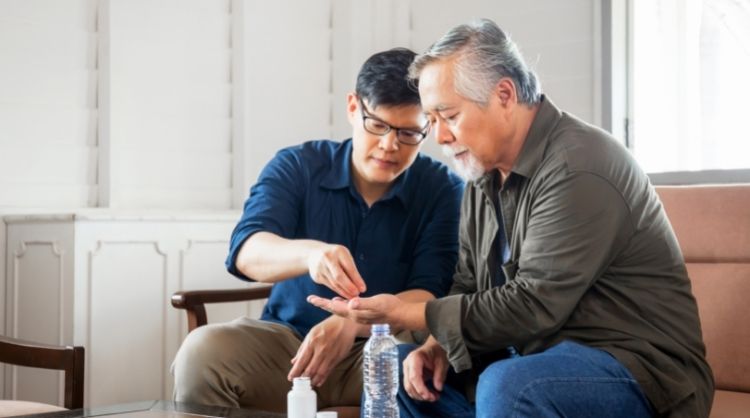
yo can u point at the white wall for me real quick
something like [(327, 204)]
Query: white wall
[(179, 103), (167, 94), (48, 116), (285, 78), (119, 104)]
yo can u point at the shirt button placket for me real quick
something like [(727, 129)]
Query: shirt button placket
[(361, 255)]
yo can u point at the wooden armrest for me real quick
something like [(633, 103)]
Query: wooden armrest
[(31, 354), (194, 301), (67, 358)]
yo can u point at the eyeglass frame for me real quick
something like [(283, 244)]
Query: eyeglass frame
[(367, 115)]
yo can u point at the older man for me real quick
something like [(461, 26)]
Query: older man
[(571, 297)]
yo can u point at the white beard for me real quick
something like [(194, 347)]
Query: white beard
[(468, 168)]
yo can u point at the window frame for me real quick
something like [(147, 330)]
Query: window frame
[(617, 101)]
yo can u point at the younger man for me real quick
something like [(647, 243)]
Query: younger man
[(365, 216)]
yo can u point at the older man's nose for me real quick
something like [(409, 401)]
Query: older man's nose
[(442, 134)]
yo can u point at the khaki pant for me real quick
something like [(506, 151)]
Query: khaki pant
[(245, 363)]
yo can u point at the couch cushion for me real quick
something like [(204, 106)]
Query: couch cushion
[(722, 290), (712, 224), (730, 405), (14, 408)]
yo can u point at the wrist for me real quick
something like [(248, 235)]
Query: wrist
[(356, 329), (412, 316), (310, 253), (345, 326), (432, 346)]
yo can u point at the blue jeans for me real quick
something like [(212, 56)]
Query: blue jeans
[(567, 380)]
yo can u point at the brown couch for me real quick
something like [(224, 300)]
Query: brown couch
[(712, 224)]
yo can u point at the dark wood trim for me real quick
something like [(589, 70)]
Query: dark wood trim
[(194, 301), (69, 359)]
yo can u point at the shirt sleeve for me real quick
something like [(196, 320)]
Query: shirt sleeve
[(436, 249), (273, 206), (577, 224)]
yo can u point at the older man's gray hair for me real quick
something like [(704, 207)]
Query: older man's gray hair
[(484, 54)]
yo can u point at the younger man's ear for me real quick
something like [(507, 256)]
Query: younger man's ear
[(352, 105)]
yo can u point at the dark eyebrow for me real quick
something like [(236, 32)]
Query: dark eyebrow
[(412, 128)]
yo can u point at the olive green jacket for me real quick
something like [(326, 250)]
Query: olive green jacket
[(593, 260)]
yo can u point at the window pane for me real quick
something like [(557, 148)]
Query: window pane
[(691, 67)]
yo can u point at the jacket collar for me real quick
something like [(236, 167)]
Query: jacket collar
[(535, 145), (533, 148)]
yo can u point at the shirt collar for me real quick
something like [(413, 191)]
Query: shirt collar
[(339, 176), (485, 180)]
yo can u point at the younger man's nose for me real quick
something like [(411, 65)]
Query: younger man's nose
[(389, 141)]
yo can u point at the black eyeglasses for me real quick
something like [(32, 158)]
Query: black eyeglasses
[(376, 126)]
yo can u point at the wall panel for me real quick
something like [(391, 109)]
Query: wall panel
[(37, 305), (38, 288), (127, 321)]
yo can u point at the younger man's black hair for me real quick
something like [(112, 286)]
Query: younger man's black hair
[(383, 79)]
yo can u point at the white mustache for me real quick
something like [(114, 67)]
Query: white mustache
[(450, 151)]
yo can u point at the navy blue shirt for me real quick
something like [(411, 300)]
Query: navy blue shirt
[(407, 240)]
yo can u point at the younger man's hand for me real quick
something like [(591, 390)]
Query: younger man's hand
[(323, 348), (333, 266)]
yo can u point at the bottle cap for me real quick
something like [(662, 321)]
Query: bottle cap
[(327, 414), (301, 383), (380, 329)]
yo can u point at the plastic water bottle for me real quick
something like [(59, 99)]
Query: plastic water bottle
[(381, 374), (301, 402)]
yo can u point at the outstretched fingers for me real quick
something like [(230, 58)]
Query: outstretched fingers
[(337, 306)]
